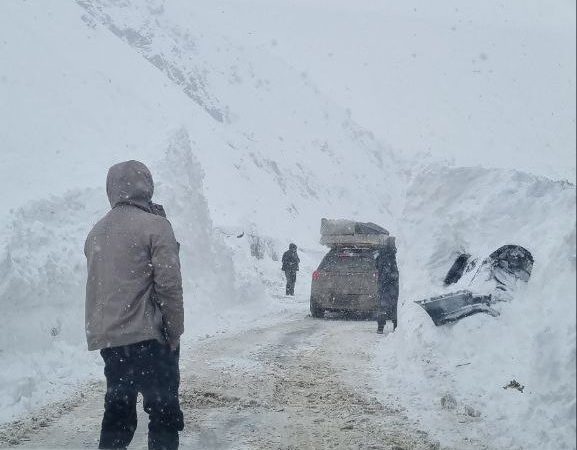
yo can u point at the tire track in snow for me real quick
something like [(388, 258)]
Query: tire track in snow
[(299, 384)]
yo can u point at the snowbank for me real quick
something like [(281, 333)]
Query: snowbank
[(533, 341), (42, 288)]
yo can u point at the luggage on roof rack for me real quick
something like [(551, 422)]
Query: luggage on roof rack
[(342, 232)]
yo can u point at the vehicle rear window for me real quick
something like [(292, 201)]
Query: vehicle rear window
[(348, 260)]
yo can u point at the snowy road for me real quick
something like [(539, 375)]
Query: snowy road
[(301, 383)]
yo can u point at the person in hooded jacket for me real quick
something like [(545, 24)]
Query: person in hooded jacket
[(290, 266), (134, 310), (388, 280)]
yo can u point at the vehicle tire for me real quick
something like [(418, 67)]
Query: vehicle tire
[(317, 312)]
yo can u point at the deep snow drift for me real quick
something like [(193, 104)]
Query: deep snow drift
[(242, 144), (449, 211), (44, 274)]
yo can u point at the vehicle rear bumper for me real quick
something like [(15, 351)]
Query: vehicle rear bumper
[(353, 302)]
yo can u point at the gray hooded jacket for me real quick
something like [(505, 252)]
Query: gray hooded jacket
[(134, 286)]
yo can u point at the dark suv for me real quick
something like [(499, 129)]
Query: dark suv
[(346, 280)]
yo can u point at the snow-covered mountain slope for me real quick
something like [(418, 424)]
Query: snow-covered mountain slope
[(307, 154), (73, 102), (238, 141), (487, 83)]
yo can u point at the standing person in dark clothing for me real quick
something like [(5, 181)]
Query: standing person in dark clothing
[(290, 266), (388, 278), (134, 310)]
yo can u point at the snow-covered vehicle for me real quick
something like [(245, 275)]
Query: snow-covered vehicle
[(482, 283), (346, 279)]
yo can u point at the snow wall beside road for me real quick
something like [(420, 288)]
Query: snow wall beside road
[(42, 346), (451, 210)]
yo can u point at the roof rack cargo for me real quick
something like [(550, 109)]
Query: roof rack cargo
[(341, 232)]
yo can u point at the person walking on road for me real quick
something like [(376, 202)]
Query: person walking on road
[(388, 279), (134, 311), (290, 266)]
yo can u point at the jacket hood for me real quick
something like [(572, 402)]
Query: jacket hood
[(130, 182)]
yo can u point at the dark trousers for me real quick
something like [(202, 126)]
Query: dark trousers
[(150, 368), (387, 309), (382, 320), (291, 279)]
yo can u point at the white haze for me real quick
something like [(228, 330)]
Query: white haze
[(261, 118)]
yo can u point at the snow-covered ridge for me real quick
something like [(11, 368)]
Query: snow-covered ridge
[(281, 157), (177, 44), (306, 152)]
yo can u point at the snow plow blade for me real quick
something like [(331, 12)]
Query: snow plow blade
[(451, 307)]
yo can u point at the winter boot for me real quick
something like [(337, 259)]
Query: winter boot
[(381, 321)]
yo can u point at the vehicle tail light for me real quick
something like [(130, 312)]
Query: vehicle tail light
[(316, 275)]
